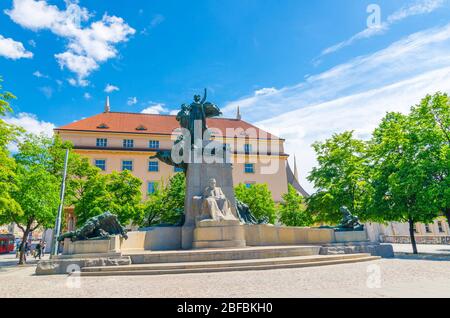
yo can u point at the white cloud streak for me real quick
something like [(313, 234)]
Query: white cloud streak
[(417, 8), (352, 96)]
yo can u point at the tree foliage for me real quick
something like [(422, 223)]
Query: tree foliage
[(259, 199), (118, 193), (293, 210), (35, 192), (339, 177), (166, 204), (399, 174), (430, 121)]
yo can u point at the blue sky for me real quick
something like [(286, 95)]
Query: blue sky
[(301, 69)]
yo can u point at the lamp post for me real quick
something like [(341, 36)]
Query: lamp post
[(57, 231)]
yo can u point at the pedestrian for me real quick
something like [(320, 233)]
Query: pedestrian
[(38, 250), (27, 249), (44, 245)]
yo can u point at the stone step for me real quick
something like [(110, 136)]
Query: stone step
[(226, 266), (220, 254)]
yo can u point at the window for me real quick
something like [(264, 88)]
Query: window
[(248, 184), (249, 168), (415, 228), (427, 228), (102, 142), (151, 187), (177, 169), (101, 164), (227, 147), (441, 227), (128, 143), (127, 165), (153, 166), (247, 148), (153, 144)]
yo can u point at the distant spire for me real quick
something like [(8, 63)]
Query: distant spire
[(107, 107), (238, 114), (295, 169)]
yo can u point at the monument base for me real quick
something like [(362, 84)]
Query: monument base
[(219, 234)]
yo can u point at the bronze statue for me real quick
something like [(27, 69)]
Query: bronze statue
[(98, 227), (189, 117), (349, 222), (246, 216)]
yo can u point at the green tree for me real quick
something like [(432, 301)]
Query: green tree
[(124, 192), (339, 178), (166, 204), (431, 125), (8, 134), (118, 193), (37, 193), (93, 200), (293, 210), (259, 199), (399, 175)]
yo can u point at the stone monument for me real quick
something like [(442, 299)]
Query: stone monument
[(211, 218)]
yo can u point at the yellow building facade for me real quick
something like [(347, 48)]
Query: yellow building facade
[(117, 141)]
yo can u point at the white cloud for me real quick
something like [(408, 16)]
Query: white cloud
[(156, 108), (111, 88), (31, 124), (417, 8), (354, 95), (79, 64), (265, 91), (12, 49), (47, 91), (156, 20), (88, 45), (38, 74), (87, 96), (132, 101)]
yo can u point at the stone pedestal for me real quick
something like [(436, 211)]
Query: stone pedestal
[(219, 234), (111, 245), (197, 178)]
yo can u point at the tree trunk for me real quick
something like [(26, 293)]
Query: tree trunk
[(22, 246), (413, 238)]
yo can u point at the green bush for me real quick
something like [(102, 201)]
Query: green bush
[(293, 211), (259, 199)]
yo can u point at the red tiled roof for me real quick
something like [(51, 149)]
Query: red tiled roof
[(119, 122)]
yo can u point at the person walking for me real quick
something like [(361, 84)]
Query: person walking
[(38, 250), (43, 245)]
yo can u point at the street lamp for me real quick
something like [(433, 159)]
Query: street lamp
[(57, 231)]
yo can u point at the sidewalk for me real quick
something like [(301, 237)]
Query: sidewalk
[(10, 260), (426, 251)]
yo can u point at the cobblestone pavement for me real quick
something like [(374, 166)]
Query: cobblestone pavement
[(398, 278)]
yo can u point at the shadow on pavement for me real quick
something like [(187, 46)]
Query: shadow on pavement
[(423, 256)]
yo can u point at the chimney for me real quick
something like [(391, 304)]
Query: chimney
[(238, 114), (107, 107)]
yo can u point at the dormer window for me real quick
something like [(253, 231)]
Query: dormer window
[(141, 128), (103, 126)]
